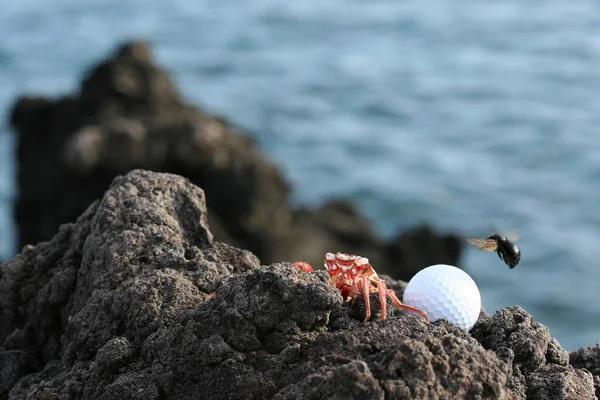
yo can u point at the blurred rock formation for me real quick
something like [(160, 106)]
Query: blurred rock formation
[(129, 114)]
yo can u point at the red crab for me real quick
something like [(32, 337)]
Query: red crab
[(353, 275)]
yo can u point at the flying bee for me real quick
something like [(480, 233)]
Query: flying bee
[(504, 246)]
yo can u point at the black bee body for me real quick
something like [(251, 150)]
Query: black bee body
[(507, 249)]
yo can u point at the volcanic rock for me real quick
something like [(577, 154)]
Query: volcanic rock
[(588, 358), (137, 300), (127, 114)]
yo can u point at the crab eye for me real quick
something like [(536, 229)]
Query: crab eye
[(330, 256)]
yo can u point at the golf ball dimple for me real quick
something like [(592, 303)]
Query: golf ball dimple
[(445, 291)]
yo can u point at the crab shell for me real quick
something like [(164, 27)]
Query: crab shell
[(344, 269)]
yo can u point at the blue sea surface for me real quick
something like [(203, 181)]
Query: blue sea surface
[(464, 114)]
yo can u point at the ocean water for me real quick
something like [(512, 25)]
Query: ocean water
[(462, 114)]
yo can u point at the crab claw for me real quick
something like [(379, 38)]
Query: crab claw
[(304, 266)]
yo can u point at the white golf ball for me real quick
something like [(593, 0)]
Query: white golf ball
[(444, 291)]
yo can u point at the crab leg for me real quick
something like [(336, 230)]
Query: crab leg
[(399, 304), (382, 297), (355, 289), (366, 286), (304, 266)]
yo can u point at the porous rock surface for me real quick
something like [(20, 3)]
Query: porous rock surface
[(128, 113), (588, 358), (117, 306)]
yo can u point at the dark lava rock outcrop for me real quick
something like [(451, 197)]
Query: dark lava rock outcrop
[(588, 358), (129, 114), (117, 305)]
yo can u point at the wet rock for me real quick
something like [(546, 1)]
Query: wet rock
[(118, 305), (127, 114)]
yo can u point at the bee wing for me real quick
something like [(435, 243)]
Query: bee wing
[(483, 243), (512, 236), (493, 229)]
